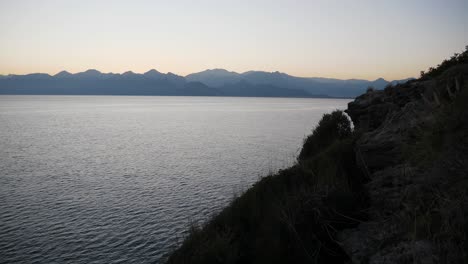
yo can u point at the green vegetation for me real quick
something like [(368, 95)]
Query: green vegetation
[(292, 216), (439, 213), (432, 140), (457, 58), (332, 127), (372, 88), (420, 202)]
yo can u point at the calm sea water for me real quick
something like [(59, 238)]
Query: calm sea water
[(114, 179)]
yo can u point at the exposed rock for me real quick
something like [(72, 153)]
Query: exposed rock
[(403, 206), (396, 191)]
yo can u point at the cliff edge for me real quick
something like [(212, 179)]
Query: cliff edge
[(413, 149), (391, 189)]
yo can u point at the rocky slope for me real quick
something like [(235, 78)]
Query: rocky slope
[(392, 190), (414, 151)]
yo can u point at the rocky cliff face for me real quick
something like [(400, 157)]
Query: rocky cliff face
[(394, 190), (413, 149)]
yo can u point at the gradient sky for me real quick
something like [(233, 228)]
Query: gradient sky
[(341, 39)]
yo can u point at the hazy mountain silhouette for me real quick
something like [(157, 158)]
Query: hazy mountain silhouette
[(215, 77), (244, 88), (217, 82), (63, 74), (315, 86), (93, 82), (153, 74)]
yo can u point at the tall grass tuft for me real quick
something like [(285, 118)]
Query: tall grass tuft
[(291, 216)]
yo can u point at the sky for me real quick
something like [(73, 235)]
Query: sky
[(345, 39)]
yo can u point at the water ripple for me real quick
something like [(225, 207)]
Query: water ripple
[(119, 179)]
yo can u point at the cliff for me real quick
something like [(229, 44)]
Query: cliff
[(393, 189), (414, 151)]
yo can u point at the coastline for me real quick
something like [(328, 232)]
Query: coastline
[(387, 191)]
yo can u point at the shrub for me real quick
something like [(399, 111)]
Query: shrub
[(292, 216), (331, 127), (457, 58)]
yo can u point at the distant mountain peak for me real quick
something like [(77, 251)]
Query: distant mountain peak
[(37, 75), (151, 72), (92, 71), (219, 70), (63, 74), (128, 73), (216, 71)]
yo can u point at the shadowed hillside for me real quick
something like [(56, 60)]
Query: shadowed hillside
[(391, 190)]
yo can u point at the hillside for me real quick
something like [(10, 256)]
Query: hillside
[(391, 190)]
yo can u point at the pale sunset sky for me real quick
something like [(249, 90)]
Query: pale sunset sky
[(311, 38)]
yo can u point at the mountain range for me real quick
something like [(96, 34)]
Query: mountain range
[(216, 82)]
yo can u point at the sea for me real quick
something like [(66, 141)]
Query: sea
[(120, 179)]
